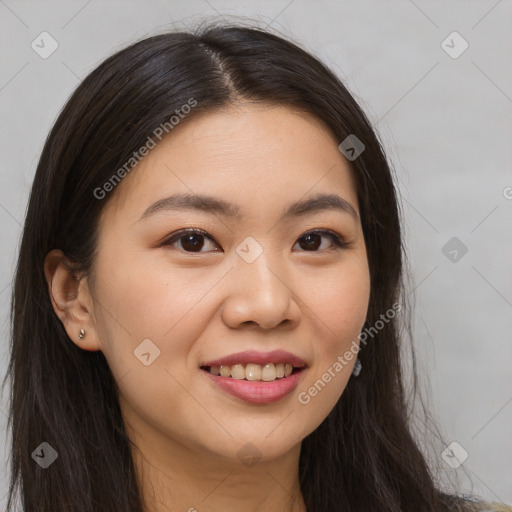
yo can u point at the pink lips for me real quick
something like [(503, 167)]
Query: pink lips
[(253, 356), (257, 392)]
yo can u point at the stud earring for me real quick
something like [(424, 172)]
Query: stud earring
[(357, 368), (81, 335)]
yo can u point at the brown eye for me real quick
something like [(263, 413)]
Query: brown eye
[(313, 240), (191, 240)]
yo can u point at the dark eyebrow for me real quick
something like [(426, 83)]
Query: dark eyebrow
[(319, 203), (208, 204)]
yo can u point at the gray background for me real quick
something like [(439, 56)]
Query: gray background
[(445, 122)]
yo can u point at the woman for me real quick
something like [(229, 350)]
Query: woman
[(205, 313)]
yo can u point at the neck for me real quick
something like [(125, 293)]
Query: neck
[(181, 478)]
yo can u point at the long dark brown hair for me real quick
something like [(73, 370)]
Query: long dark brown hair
[(363, 457)]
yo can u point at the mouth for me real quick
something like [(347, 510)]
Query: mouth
[(268, 372), (256, 377)]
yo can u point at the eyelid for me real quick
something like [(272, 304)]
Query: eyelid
[(338, 241), (186, 231)]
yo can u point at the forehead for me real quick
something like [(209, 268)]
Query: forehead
[(252, 155)]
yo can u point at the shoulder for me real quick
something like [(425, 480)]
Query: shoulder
[(499, 507), (478, 505)]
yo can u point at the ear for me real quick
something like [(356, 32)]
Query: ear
[(71, 300)]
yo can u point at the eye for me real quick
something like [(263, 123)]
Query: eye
[(313, 240), (192, 240)]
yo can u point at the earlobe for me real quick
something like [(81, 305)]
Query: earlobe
[(69, 300)]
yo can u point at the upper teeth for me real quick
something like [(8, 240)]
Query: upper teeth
[(253, 371)]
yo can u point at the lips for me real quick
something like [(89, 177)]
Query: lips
[(231, 375), (256, 357)]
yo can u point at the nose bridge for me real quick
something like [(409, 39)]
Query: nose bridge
[(262, 293), (263, 275)]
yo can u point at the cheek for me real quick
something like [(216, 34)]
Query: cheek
[(147, 324), (340, 301), (141, 301), (339, 306), (343, 302), (149, 299)]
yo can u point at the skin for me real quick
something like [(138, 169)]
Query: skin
[(197, 306)]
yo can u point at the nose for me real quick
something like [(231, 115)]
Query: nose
[(261, 294)]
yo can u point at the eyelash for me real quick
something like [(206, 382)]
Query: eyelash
[(337, 240)]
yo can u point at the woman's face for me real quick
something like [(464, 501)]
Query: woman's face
[(170, 307)]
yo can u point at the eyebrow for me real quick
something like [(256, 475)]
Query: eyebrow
[(212, 205)]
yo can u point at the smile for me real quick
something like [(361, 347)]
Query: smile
[(253, 372), (256, 377)]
